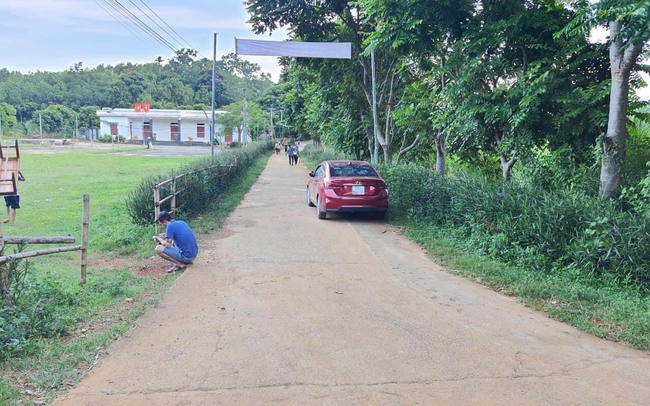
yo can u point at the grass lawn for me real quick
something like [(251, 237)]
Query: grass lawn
[(51, 205)]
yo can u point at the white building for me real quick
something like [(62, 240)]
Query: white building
[(141, 123)]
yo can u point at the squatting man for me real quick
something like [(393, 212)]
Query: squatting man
[(177, 244)]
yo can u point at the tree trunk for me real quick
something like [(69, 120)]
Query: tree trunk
[(385, 100), (613, 144), (506, 166), (441, 155), (407, 149)]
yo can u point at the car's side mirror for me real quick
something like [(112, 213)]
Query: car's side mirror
[(311, 174)]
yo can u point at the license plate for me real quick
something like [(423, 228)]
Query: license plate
[(358, 190)]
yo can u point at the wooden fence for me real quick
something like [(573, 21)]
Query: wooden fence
[(178, 186), (4, 273)]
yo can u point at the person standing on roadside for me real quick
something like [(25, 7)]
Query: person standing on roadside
[(178, 244), (12, 202), (295, 154)]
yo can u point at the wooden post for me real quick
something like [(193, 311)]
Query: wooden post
[(4, 273), (156, 205), (174, 194), (84, 238)]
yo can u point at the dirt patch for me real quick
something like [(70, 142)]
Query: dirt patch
[(153, 267)]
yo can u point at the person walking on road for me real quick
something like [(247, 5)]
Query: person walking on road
[(178, 244), (289, 153)]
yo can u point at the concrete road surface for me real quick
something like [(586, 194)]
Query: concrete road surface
[(282, 308)]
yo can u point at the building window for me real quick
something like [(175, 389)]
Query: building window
[(114, 129), (200, 130)]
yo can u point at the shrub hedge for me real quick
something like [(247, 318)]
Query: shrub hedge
[(531, 227), (204, 182), (526, 226)]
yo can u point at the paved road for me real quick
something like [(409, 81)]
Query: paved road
[(282, 308)]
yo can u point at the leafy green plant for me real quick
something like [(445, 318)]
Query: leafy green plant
[(526, 226), (202, 183)]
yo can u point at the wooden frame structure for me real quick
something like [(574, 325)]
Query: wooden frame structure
[(9, 169)]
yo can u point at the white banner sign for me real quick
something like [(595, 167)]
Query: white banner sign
[(336, 50)]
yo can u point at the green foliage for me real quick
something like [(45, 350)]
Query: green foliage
[(184, 82), (107, 139), (33, 312), (234, 118), (527, 226), (315, 153), (638, 150), (57, 119), (7, 118), (203, 183), (638, 196), (556, 170)]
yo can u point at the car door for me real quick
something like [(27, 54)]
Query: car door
[(316, 183)]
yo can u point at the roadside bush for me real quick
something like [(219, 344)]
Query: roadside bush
[(315, 154), (204, 182), (32, 314), (108, 139), (526, 226)]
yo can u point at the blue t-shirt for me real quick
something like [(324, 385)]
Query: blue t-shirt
[(183, 237)]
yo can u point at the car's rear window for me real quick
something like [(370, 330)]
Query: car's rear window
[(352, 170)]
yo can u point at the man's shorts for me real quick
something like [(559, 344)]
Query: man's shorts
[(13, 201), (175, 252)]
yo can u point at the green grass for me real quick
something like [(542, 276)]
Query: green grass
[(51, 196), (590, 304), (114, 297), (603, 307)]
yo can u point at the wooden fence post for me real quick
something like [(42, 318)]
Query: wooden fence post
[(174, 194), (156, 205), (84, 238), (4, 273)]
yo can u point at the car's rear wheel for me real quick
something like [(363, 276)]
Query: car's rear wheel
[(319, 210), (309, 203), (380, 215)]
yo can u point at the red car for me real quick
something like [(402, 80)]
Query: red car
[(347, 187)]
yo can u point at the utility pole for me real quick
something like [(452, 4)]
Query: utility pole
[(272, 127), (214, 63), (245, 125), (375, 123), (40, 124)]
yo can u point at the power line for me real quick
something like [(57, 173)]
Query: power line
[(124, 22), (144, 27), (129, 16), (164, 22)]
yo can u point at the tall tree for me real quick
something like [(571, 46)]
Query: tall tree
[(423, 31), (342, 21), (58, 119), (7, 117), (629, 32)]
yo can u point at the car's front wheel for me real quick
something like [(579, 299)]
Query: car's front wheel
[(319, 210), (309, 203)]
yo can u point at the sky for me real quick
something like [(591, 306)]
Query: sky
[(53, 35)]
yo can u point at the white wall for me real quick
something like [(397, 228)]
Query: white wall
[(132, 127)]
